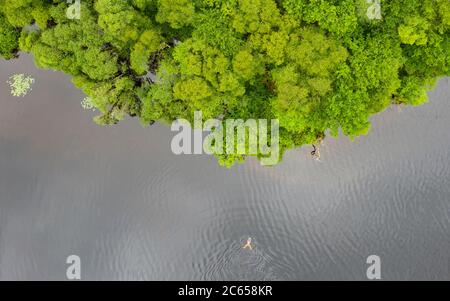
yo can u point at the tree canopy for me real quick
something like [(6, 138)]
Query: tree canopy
[(318, 66)]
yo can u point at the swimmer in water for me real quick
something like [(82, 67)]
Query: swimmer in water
[(248, 244)]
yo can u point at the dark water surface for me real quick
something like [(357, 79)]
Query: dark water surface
[(118, 198)]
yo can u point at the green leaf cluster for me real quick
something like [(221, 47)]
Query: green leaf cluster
[(318, 66)]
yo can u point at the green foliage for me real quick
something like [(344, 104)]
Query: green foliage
[(149, 42), (177, 13), (24, 12), (8, 39), (315, 65)]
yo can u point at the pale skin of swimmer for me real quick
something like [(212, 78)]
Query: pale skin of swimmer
[(248, 244)]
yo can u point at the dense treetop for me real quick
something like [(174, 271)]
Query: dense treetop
[(315, 65)]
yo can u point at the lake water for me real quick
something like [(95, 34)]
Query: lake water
[(130, 209)]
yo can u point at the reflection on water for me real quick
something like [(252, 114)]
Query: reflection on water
[(118, 198)]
